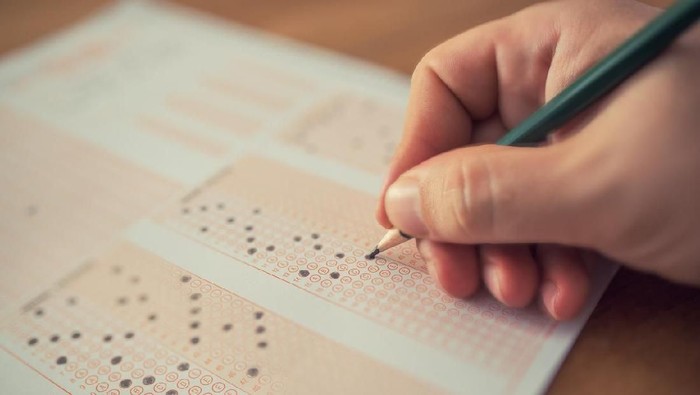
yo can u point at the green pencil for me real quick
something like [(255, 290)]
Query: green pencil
[(600, 79)]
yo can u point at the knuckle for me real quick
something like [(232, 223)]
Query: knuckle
[(465, 207), (418, 70), (479, 196), (428, 63), (458, 208)]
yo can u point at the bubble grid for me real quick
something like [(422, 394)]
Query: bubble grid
[(126, 323), (394, 290)]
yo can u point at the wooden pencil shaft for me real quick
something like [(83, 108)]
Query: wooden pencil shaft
[(391, 239)]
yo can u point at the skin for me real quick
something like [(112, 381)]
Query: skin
[(622, 179)]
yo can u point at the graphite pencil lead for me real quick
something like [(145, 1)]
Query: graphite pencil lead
[(373, 254)]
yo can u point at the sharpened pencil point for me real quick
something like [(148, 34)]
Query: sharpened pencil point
[(372, 254)]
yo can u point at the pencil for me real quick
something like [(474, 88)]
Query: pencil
[(597, 81)]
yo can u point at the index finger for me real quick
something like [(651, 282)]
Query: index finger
[(458, 84), (442, 100)]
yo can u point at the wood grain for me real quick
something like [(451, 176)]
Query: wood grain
[(644, 338)]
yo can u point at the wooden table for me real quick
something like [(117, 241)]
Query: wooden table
[(644, 337)]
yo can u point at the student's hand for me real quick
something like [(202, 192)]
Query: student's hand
[(622, 179)]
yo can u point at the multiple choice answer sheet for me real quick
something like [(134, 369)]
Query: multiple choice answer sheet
[(186, 207)]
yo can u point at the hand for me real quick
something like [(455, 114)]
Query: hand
[(622, 179)]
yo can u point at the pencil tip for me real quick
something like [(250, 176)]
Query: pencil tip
[(372, 254)]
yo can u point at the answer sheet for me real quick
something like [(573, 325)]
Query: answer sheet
[(186, 208)]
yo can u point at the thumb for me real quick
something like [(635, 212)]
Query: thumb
[(494, 194)]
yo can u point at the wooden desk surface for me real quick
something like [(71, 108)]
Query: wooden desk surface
[(644, 337)]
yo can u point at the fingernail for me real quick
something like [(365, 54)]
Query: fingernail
[(493, 281), (549, 297), (402, 204)]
